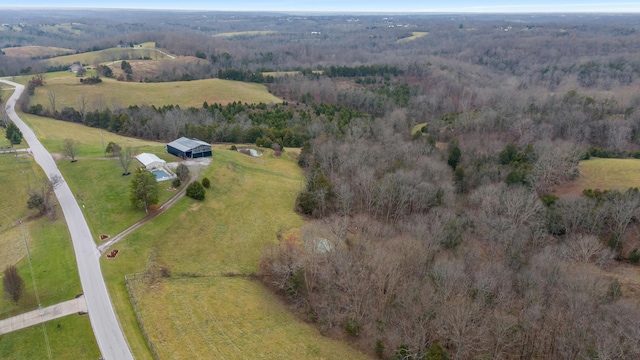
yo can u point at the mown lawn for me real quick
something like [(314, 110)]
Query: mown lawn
[(54, 269), (49, 243), (110, 92), (69, 337), (250, 202)]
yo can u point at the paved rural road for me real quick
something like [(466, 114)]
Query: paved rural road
[(106, 328)]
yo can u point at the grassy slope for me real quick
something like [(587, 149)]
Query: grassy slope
[(31, 51), (54, 267), (108, 210), (250, 201), (186, 94)]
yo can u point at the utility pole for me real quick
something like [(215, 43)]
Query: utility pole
[(104, 150)]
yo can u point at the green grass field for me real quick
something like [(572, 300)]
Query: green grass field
[(67, 338), (96, 181), (417, 128), (112, 93), (603, 174), (228, 318), (415, 35), (251, 200), (54, 269)]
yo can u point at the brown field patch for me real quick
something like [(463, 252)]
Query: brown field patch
[(34, 51)]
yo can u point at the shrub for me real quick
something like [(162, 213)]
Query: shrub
[(12, 283), (352, 327), (379, 349), (176, 183), (234, 148), (196, 191), (634, 256), (206, 183)]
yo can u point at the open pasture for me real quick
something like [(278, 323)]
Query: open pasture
[(113, 93), (228, 318), (36, 51), (598, 173)]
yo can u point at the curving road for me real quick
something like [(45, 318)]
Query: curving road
[(105, 325)]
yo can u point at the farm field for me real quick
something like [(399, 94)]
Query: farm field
[(249, 204), (112, 93), (598, 173), (36, 51), (111, 54)]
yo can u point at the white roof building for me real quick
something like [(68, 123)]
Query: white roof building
[(150, 161)]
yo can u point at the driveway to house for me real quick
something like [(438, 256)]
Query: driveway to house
[(104, 322), (18, 322)]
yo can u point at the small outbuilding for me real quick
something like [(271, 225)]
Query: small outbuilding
[(186, 148), (150, 161)]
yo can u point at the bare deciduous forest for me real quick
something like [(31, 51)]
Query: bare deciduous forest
[(455, 235)]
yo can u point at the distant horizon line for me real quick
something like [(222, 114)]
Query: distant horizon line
[(337, 12)]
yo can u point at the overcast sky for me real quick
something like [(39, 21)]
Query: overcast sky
[(346, 6)]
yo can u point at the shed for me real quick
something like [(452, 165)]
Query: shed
[(150, 161), (186, 148)]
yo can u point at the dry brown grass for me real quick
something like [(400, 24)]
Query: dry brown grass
[(32, 51)]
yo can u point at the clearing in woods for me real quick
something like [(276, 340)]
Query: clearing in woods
[(598, 173)]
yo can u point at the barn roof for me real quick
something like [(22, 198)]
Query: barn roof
[(186, 144), (146, 159)]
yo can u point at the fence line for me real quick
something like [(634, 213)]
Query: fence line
[(135, 276)]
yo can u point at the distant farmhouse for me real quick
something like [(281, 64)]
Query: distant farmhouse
[(77, 68), (150, 161), (186, 148)]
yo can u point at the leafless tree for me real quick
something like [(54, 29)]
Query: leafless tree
[(51, 96), (82, 106), (125, 156), (70, 148)]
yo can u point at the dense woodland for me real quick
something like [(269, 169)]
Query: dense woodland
[(450, 237)]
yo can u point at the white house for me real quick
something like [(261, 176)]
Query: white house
[(150, 161)]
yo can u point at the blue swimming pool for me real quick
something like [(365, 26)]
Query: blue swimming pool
[(160, 174)]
